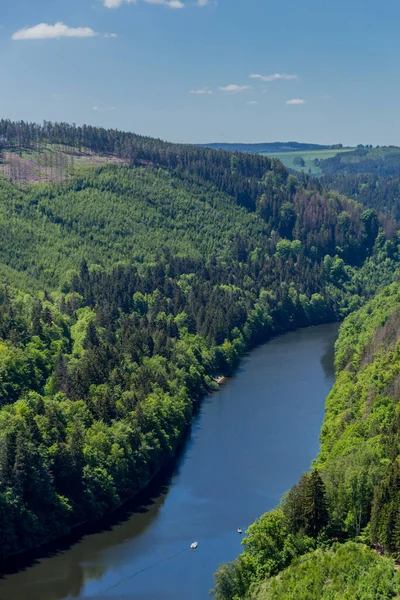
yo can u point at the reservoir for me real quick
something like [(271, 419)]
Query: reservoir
[(249, 443)]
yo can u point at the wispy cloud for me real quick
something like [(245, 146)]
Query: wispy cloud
[(110, 35), (103, 108), (274, 77), (44, 31), (252, 102), (167, 3), (296, 101), (233, 88), (201, 92), (202, 2)]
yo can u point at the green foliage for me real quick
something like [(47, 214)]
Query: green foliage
[(269, 547), (306, 507), (299, 161), (344, 572)]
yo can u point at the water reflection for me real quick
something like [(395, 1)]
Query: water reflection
[(328, 357), (68, 564)]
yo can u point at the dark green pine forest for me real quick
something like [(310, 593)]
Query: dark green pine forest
[(134, 272)]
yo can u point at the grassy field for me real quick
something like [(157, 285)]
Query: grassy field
[(308, 156)]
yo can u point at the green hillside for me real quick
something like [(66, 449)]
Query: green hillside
[(113, 214), (344, 572), (369, 175), (128, 287), (383, 160)]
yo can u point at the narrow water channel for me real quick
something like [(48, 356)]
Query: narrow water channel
[(249, 443)]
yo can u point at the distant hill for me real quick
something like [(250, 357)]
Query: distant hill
[(383, 160), (369, 175), (269, 147)]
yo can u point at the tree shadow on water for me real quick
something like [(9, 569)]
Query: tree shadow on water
[(60, 569)]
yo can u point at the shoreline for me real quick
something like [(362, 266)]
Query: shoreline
[(26, 558)]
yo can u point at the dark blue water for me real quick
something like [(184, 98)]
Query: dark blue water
[(249, 443)]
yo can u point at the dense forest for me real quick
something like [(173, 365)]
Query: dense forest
[(352, 493), (127, 288), (381, 193)]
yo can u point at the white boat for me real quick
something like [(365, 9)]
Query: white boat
[(194, 545), (240, 531)]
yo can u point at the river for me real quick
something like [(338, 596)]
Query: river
[(249, 443)]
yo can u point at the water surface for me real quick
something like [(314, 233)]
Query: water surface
[(249, 443)]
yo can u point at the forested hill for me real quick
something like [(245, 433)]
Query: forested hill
[(55, 148), (383, 160), (126, 288), (353, 492), (369, 175)]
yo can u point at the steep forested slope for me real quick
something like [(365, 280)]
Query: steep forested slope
[(127, 288), (353, 490), (359, 456)]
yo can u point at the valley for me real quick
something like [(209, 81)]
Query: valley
[(131, 282)]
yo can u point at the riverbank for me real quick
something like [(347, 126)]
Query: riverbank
[(205, 385), (277, 395), (350, 498)]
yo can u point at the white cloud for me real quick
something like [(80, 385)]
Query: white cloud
[(105, 108), (167, 3), (235, 88), (296, 101), (110, 35), (201, 92), (203, 2), (44, 31), (252, 102), (113, 3), (274, 77)]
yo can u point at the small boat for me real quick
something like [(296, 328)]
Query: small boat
[(194, 545), (239, 531)]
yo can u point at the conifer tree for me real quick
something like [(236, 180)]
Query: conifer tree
[(315, 505)]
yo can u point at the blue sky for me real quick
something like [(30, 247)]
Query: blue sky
[(181, 70)]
